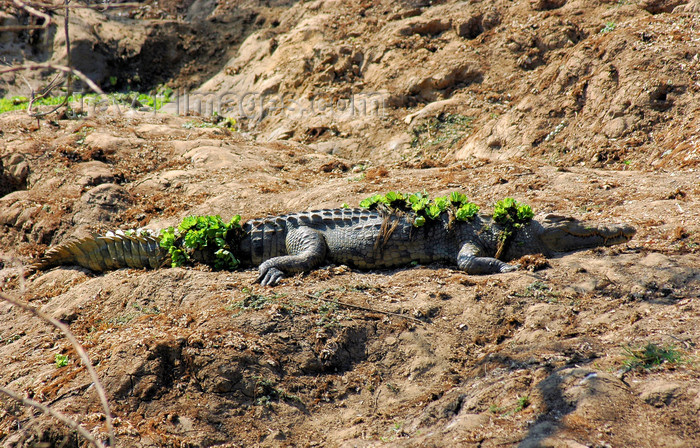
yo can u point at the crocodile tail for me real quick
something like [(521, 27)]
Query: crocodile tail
[(104, 253)]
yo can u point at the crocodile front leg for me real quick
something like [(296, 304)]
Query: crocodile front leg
[(469, 261), (307, 250)]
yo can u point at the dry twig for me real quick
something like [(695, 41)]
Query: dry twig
[(79, 349), (72, 424)]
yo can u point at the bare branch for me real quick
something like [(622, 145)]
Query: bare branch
[(78, 348), (49, 66), (98, 6), (69, 83), (33, 11), (56, 414)]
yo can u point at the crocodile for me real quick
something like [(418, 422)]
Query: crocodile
[(366, 239)]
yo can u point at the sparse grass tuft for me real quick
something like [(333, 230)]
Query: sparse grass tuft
[(609, 26), (650, 356), (267, 391), (523, 402), (253, 301), (444, 131)]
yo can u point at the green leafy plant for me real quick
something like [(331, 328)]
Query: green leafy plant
[(203, 233), (228, 122), (420, 204), (523, 402), (609, 26), (61, 360), (511, 215)]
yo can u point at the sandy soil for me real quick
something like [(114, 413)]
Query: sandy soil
[(434, 357)]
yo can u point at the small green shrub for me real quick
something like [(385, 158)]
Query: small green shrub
[(420, 204), (202, 233), (61, 360), (523, 402), (609, 26), (510, 213)]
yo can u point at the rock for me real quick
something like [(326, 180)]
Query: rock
[(469, 422), (615, 128), (103, 203), (690, 8), (469, 28), (423, 26), (330, 147), (281, 133), (545, 5), (696, 402), (14, 171), (212, 157), (659, 393), (94, 173), (659, 6), (106, 143)]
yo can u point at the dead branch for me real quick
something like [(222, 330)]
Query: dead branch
[(49, 66), (32, 11), (97, 6), (69, 83), (81, 353)]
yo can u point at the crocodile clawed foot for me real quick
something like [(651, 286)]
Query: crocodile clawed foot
[(269, 276)]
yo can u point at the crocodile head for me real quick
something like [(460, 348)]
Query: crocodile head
[(562, 234)]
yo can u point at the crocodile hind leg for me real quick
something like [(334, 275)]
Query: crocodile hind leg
[(469, 261), (307, 250)]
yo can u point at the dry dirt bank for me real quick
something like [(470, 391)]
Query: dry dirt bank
[(190, 357), (580, 108)]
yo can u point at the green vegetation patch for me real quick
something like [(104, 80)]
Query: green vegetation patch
[(61, 360), (267, 391), (650, 356), (154, 100), (512, 215), (203, 233), (444, 130), (456, 205)]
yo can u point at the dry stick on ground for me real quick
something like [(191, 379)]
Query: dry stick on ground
[(79, 349), (72, 424), (362, 308)]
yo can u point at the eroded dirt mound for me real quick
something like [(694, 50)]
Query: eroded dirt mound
[(135, 48), (585, 109), (189, 357), (595, 83)]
